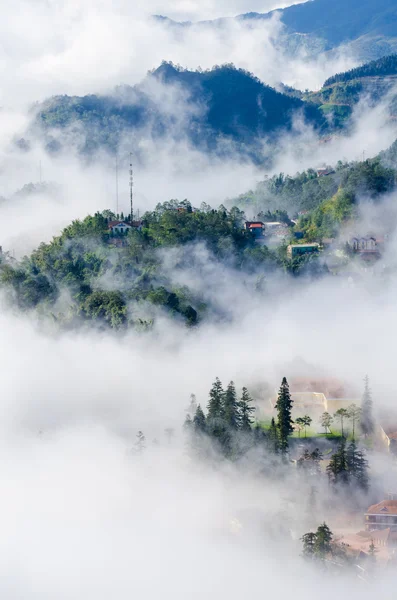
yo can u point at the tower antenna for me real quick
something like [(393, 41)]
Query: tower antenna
[(131, 188)]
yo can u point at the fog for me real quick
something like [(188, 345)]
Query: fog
[(83, 514)]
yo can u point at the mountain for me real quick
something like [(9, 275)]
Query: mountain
[(221, 110), (368, 28), (374, 81), (383, 67)]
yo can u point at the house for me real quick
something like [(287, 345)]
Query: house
[(363, 244), (295, 250), (257, 228), (123, 227), (382, 515), (324, 172)]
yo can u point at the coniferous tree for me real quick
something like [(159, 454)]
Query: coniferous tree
[(338, 470), (309, 543), (246, 411), (140, 442), (199, 421), (273, 438), (367, 419), (215, 404), (191, 410), (322, 544), (231, 407), (341, 414), (358, 467), (354, 414), (188, 424), (284, 422)]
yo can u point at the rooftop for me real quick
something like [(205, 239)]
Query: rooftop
[(386, 507)]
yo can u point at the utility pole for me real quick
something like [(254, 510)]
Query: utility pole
[(131, 189), (40, 170)]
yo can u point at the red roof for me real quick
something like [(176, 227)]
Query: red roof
[(387, 507), (255, 225)]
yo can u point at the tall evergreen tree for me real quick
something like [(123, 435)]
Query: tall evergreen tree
[(273, 438), (354, 414), (215, 404), (284, 421), (246, 409), (199, 421), (322, 544), (341, 414), (367, 420), (309, 544), (231, 407), (338, 470), (358, 466)]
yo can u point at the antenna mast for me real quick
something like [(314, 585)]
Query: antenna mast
[(131, 188)]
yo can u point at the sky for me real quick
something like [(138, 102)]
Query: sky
[(82, 515)]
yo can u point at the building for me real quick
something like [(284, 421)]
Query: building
[(314, 396), (363, 244), (295, 250), (382, 515), (257, 228), (122, 227), (324, 172)]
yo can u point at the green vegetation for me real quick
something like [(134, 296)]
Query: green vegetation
[(221, 104), (87, 273), (385, 66)]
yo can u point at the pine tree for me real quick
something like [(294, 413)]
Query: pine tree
[(309, 542), (322, 544), (246, 410), (191, 410), (199, 421), (188, 424), (326, 422), (341, 414), (285, 422), (358, 467), (367, 420), (140, 442), (338, 470), (273, 438), (354, 414), (215, 404), (231, 407)]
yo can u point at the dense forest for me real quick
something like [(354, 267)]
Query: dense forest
[(224, 109), (89, 273), (383, 67), (322, 204)]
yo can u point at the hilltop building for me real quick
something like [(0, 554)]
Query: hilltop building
[(295, 250), (324, 172), (123, 227), (257, 228), (383, 515)]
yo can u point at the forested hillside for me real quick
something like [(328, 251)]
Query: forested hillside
[(88, 273), (383, 67), (220, 110)]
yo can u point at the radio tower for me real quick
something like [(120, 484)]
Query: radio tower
[(131, 188)]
